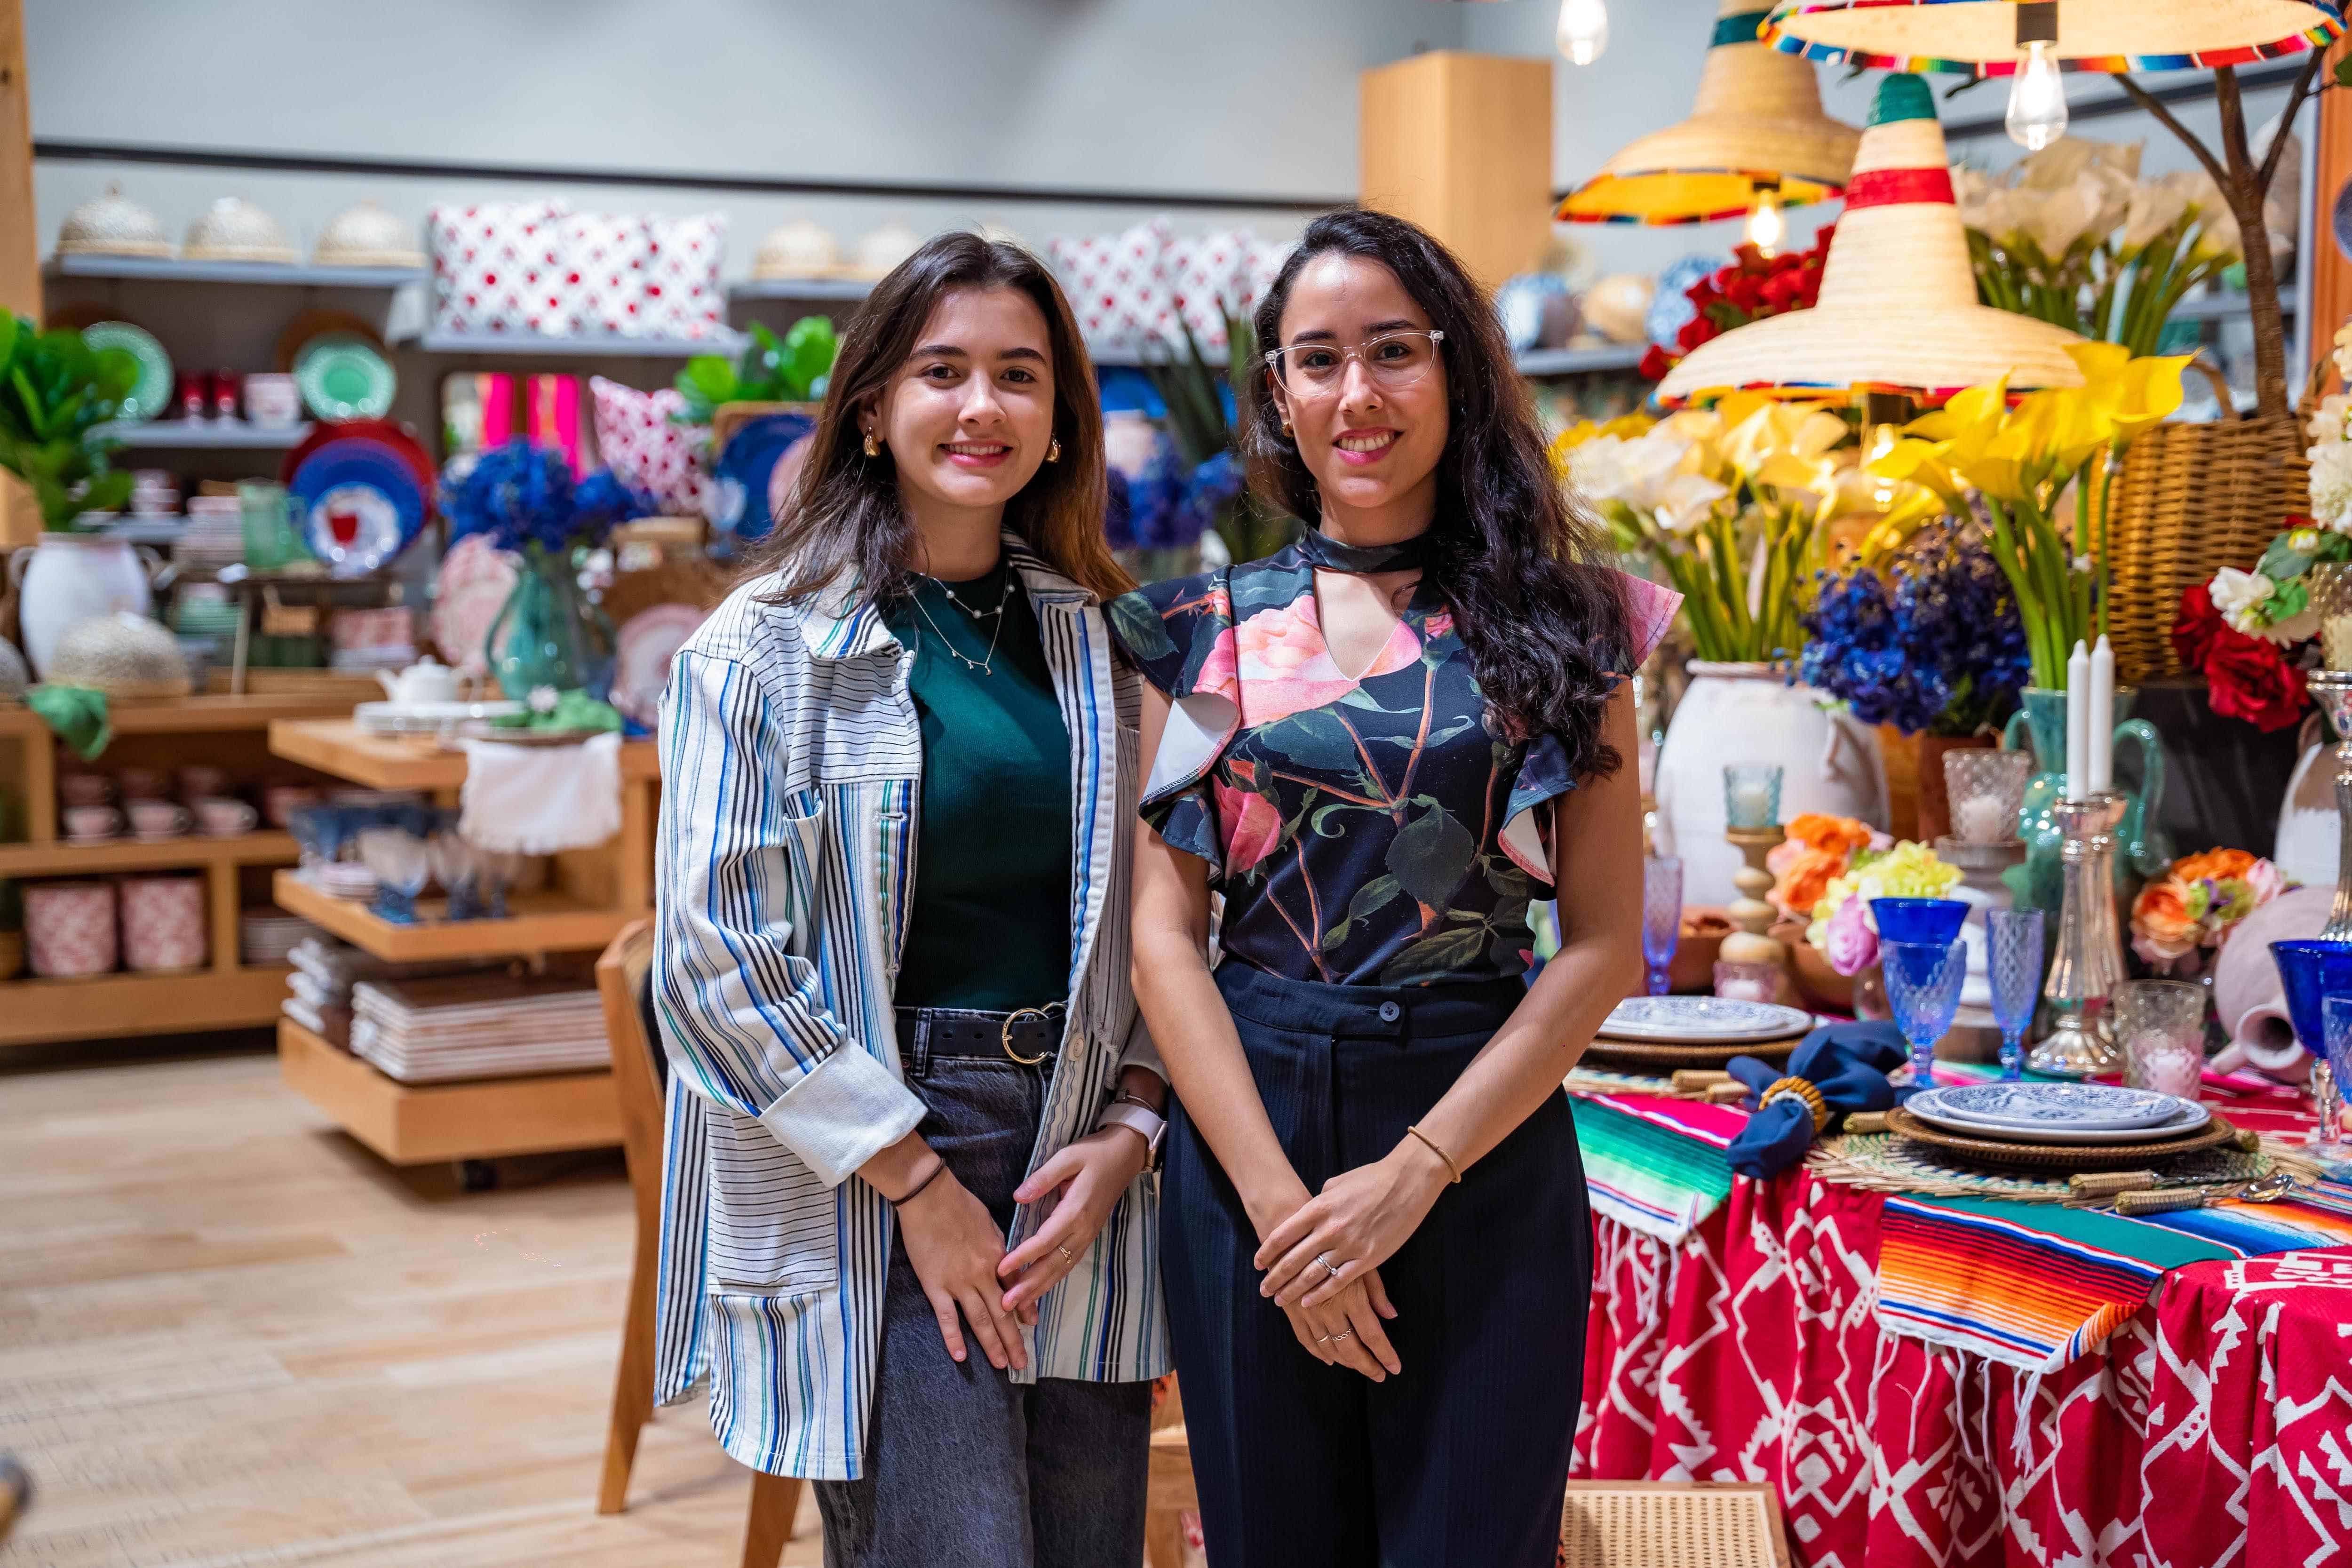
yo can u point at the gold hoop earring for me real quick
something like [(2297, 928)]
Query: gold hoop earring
[(1286, 428), (1053, 451), (872, 450)]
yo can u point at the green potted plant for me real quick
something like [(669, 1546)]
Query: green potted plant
[(772, 375)]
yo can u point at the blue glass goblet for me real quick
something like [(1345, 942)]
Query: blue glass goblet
[(1661, 917), (2013, 940), (1932, 921), (1923, 986)]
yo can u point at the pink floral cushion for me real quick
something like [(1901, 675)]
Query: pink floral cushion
[(639, 442)]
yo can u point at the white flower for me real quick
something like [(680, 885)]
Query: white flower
[(1687, 501), (2156, 205), (2331, 484), (2239, 597), (1635, 472), (2343, 351), (2329, 422), (543, 698)]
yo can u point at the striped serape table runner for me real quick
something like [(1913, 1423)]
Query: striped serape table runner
[(1655, 1164)]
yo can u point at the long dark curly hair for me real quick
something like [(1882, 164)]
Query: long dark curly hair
[(1544, 619)]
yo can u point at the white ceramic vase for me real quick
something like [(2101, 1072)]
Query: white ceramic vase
[(69, 578), (1749, 713), (2309, 836)]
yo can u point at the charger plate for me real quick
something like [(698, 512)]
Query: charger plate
[(1664, 1056), (1881, 1163), (2020, 1156)]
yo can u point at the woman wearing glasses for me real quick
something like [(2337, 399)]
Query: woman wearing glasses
[(1377, 745)]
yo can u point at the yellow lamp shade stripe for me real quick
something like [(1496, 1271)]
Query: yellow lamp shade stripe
[(1665, 197)]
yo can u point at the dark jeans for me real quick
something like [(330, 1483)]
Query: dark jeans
[(964, 1466), (1462, 1459)]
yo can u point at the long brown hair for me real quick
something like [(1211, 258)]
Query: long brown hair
[(845, 523)]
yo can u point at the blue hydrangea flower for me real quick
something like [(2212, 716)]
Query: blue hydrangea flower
[(1933, 643)]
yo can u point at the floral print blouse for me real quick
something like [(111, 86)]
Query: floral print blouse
[(1373, 830)]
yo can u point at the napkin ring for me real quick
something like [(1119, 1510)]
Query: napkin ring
[(1798, 1088)]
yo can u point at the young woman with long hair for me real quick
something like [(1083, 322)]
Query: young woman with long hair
[(907, 1215), (1379, 745)]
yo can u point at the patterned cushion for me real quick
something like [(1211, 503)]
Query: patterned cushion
[(638, 441), (488, 261), (1118, 286), (682, 298), (608, 254)]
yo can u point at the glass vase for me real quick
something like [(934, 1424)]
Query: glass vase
[(546, 634)]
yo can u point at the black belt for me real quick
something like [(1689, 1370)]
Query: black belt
[(1030, 1036)]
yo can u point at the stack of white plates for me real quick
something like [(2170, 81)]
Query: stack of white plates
[(426, 718), (2037, 1112), (343, 879), (267, 934), (476, 1025), (1701, 1020), (215, 536)]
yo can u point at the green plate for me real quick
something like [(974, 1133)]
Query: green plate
[(152, 392), (341, 376)]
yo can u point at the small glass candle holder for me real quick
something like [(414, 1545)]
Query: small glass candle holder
[(2162, 1026), (1751, 795), (1986, 790), (1747, 980), (2330, 585), (1661, 917)]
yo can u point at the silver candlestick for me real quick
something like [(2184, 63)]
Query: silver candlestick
[(2332, 689), (2089, 962)]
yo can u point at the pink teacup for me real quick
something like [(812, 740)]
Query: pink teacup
[(159, 819), (85, 789), (140, 784), (200, 781), (221, 816), (92, 820), (280, 802)]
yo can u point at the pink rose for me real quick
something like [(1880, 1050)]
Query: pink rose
[(2267, 881), (1252, 825), (1850, 945), (1438, 624), (1285, 668)]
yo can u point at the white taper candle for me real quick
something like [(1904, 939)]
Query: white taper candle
[(2103, 717), (2078, 723)]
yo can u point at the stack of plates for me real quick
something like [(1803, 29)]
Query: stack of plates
[(1697, 1031), (476, 1025), (267, 934), (2072, 1125), (343, 879), (214, 537)]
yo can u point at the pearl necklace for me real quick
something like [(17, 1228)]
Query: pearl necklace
[(981, 665)]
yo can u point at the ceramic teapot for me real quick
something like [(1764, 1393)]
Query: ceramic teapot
[(422, 682)]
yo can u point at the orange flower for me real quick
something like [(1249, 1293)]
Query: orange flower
[(1807, 876), (2162, 927), (1818, 830), (2216, 863)]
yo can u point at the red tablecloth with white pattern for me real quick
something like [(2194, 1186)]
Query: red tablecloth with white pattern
[(2216, 1428)]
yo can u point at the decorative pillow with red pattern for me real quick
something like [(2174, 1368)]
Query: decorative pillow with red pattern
[(682, 298), (1209, 277), (609, 254), (639, 442), (488, 261), (1118, 287)]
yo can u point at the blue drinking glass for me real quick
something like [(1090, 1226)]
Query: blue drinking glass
[(1662, 916), (1933, 922), (2312, 971), (2336, 1019), (2013, 948), (1922, 984)]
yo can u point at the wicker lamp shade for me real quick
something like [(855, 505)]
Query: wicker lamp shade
[(1757, 125), (1979, 36), (1899, 309)]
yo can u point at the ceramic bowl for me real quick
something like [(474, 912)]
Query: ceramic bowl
[(112, 224), (367, 236), (233, 229)]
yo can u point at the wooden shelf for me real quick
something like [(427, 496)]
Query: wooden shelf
[(801, 289), (528, 346), (200, 435), (195, 715), (482, 1120), (130, 855), (1581, 362), (107, 1005), (173, 270), (340, 747), (542, 923)]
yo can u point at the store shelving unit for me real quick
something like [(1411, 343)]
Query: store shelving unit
[(799, 288), (204, 435), (226, 992), (1580, 362), (532, 346), (173, 270), (594, 893)]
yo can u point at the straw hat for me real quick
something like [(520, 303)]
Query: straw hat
[(1898, 307), (1979, 36), (1758, 121)]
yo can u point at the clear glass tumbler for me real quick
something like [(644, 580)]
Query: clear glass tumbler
[(2015, 939), (1661, 917), (1986, 790), (1923, 986), (2161, 1023)]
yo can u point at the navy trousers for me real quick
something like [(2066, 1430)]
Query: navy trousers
[(1463, 1458)]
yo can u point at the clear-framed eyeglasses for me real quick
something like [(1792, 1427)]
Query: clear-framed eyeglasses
[(1393, 360)]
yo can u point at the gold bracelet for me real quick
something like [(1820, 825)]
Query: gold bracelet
[(1453, 1169)]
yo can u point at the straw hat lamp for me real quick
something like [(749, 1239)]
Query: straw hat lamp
[(1898, 309), (1756, 137)]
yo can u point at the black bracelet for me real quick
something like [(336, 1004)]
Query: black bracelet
[(909, 1196)]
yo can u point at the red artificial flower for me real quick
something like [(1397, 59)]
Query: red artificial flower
[(1655, 363), (2246, 677), (2195, 627)]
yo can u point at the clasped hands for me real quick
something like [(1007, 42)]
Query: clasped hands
[(1322, 1260)]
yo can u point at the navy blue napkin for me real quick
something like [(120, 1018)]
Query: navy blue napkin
[(1847, 1062)]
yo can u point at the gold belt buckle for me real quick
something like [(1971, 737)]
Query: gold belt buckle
[(1005, 1032)]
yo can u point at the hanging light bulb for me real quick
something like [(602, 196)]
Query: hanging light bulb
[(1583, 29), (2037, 94), (1766, 227)]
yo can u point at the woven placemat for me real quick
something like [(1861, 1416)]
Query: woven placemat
[(1881, 1163), (2057, 1157), (1664, 1056), (1601, 1080)]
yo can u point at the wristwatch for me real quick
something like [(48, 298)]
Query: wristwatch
[(1140, 1119)]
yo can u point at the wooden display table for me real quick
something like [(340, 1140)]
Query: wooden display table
[(594, 893), (226, 992)]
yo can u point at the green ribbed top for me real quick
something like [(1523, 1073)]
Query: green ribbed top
[(1902, 97)]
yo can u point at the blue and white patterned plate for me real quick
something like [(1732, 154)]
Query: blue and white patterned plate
[(2188, 1117), (1701, 1020), (2084, 1106)]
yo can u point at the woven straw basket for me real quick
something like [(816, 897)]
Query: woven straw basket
[(2190, 499)]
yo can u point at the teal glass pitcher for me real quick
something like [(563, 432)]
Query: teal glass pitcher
[(2141, 849)]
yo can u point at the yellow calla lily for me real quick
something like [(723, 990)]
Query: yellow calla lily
[(1916, 462), (2148, 393)]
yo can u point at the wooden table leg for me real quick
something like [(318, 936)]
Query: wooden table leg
[(774, 1501)]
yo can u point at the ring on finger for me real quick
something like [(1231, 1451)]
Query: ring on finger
[(1067, 1254), (1345, 1335), (1329, 1266)]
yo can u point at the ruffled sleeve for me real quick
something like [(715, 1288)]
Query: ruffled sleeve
[(1544, 773), (1180, 634)]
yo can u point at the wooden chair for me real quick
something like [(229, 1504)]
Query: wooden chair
[(1692, 1524), (1171, 1491), (640, 1073)]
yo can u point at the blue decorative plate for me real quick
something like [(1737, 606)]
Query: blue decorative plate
[(1701, 1020), (360, 504), (2028, 1105), (751, 477), (2188, 1117)]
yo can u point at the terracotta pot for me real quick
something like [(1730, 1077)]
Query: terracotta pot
[(1823, 989), (1692, 974)]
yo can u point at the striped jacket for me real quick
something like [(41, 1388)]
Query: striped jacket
[(791, 765)]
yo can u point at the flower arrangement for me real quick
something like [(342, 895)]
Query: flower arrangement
[(2023, 461), (2196, 904), (1727, 501), (1931, 642), (1817, 852), (525, 499), (2073, 236), (1842, 927), (1753, 287)]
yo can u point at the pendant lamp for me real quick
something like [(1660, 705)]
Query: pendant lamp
[(1981, 37), (1898, 310), (1757, 134)]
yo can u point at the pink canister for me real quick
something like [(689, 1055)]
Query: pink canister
[(164, 922), (69, 928)]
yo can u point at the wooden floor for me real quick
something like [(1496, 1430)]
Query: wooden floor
[(229, 1336)]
